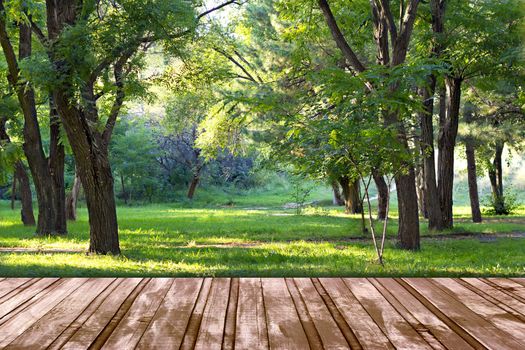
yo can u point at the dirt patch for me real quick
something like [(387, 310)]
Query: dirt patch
[(39, 251)]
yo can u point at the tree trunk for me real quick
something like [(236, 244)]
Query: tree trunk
[(193, 186), (26, 213), (420, 189), (431, 195), (88, 143), (122, 185), (13, 192), (447, 142), (408, 232), (496, 171), (92, 160), (72, 199), (56, 168), (471, 170), (20, 176), (351, 195), (337, 197), (382, 194)]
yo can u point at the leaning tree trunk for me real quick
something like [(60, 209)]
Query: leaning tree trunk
[(26, 213), (471, 171), (337, 196), (193, 186), (447, 142), (72, 199), (351, 195), (382, 194)]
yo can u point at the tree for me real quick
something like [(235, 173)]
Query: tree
[(392, 44), (470, 149), (94, 53), (47, 172)]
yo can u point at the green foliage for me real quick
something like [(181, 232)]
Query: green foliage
[(502, 205)]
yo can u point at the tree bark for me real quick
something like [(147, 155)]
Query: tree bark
[(446, 143), (350, 191), (337, 197), (72, 199), (496, 171), (26, 213), (382, 195), (471, 169)]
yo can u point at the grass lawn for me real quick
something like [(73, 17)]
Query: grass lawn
[(248, 240)]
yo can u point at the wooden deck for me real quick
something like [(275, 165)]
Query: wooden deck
[(253, 313)]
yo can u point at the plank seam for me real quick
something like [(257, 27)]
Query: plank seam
[(314, 340), (113, 285), (234, 291), (191, 321), (420, 328), (504, 290), (343, 326), (445, 319), (118, 316)]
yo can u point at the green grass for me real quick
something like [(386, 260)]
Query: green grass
[(202, 238)]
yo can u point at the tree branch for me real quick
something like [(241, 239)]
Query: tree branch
[(234, 61), (339, 38), (205, 13)]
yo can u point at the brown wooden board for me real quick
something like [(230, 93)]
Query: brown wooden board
[(250, 330)]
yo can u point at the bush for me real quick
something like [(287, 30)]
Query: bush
[(501, 205)]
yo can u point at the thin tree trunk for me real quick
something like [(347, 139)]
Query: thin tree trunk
[(26, 213), (431, 195), (193, 186), (471, 169), (56, 167), (124, 193), (13, 192), (420, 188), (20, 176), (498, 167), (447, 142), (382, 195), (72, 199), (337, 197)]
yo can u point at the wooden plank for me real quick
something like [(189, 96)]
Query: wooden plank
[(23, 320), (7, 286), (368, 333), (306, 320), (167, 328), (23, 297), (497, 316), (497, 297), (192, 330), (330, 334), (99, 326), (424, 316), (284, 326), (214, 316), (251, 331), (79, 322), (519, 280), (130, 329), (508, 286), (42, 333), (393, 325), (228, 342), (481, 329)]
